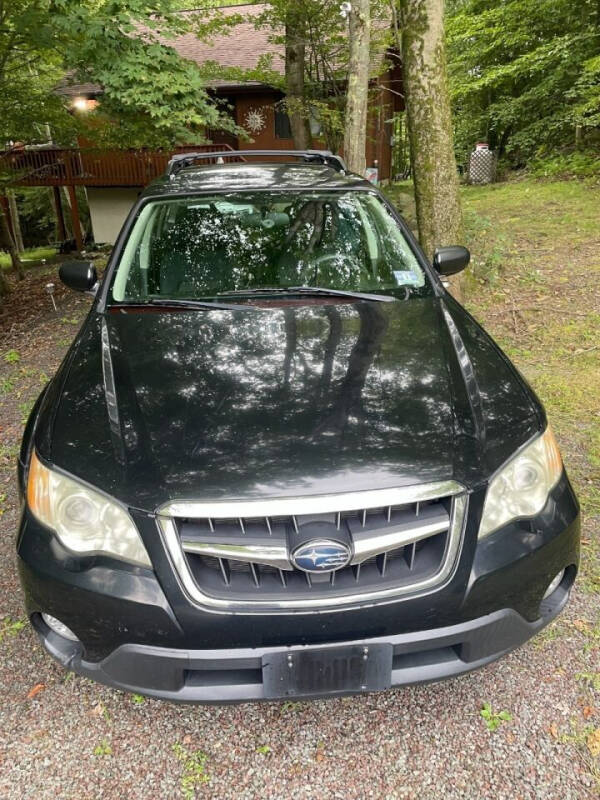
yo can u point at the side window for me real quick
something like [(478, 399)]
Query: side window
[(283, 129)]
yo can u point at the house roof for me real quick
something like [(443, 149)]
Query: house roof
[(237, 47)]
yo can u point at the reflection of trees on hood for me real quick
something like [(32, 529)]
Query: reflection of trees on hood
[(254, 397), (373, 325), (291, 339), (217, 402), (306, 398), (331, 345)]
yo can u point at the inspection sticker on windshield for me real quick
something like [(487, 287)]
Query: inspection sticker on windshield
[(404, 277)]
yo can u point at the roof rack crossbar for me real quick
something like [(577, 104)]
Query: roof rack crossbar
[(183, 160)]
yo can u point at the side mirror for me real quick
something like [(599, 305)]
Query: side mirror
[(450, 260), (78, 275)]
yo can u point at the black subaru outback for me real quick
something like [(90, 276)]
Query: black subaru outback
[(279, 459)]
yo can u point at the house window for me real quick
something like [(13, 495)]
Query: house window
[(283, 129)]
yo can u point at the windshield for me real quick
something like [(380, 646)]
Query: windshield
[(206, 246)]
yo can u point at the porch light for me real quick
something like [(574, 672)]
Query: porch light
[(80, 103)]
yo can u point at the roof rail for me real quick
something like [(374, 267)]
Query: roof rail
[(183, 160)]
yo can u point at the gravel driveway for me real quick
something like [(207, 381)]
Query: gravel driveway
[(62, 736)]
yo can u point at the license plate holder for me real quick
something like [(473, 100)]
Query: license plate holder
[(328, 670)]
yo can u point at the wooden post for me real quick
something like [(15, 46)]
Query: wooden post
[(75, 217), (60, 218)]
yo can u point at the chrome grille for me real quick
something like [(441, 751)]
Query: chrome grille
[(233, 559)]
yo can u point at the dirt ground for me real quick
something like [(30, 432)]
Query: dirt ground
[(534, 285)]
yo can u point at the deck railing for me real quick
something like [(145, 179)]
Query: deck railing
[(91, 167)]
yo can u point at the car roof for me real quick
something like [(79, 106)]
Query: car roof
[(254, 177)]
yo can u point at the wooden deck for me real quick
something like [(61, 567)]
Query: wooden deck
[(91, 167)]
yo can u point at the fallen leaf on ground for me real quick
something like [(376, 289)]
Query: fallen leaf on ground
[(39, 687), (588, 711), (553, 731), (593, 742), (581, 624)]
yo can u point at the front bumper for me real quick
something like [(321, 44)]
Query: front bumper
[(234, 675), (139, 631)]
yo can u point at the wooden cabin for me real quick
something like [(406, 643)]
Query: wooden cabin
[(113, 178)]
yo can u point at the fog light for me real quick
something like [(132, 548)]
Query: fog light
[(59, 627), (555, 584)]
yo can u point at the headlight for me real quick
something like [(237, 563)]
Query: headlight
[(522, 486), (85, 521)]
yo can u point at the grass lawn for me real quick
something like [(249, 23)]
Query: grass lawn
[(32, 254), (534, 284)]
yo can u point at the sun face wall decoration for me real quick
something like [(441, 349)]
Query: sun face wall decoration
[(255, 120)]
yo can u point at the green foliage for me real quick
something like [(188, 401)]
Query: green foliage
[(30, 67), (590, 679), (567, 165), (7, 385), (25, 409), (291, 705), (138, 699), (9, 627), (193, 770), (158, 97), (493, 719), (11, 357), (525, 75), (37, 215), (103, 749)]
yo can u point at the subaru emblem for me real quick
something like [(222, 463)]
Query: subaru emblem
[(321, 555)]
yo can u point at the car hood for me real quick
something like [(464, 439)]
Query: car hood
[(301, 398)]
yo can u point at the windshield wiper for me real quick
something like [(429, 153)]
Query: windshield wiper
[(164, 303), (382, 298), (267, 290)]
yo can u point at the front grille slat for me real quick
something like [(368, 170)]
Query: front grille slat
[(381, 562), (225, 571), (246, 557)]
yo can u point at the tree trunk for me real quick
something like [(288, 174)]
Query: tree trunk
[(4, 286), (355, 137), (16, 222), (294, 81), (6, 242), (439, 215)]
